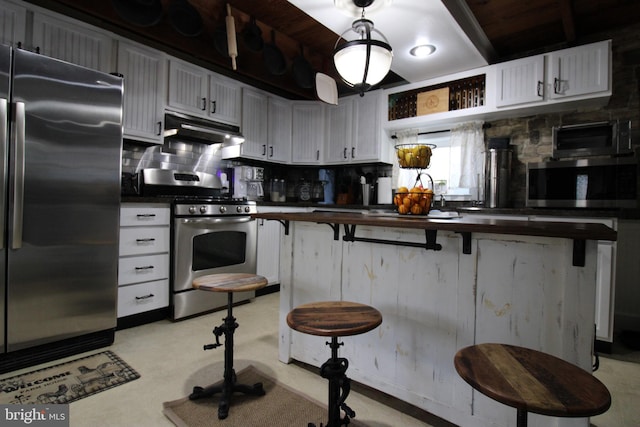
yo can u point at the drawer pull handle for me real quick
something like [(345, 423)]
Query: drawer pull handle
[(147, 267), (150, 239), (144, 216), (145, 297)]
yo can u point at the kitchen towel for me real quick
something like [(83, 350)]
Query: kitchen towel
[(384, 190)]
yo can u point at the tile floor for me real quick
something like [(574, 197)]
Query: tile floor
[(171, 361)]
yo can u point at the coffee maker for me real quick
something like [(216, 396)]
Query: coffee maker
[(247, 182)]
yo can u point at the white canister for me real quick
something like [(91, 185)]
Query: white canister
[(384, 190)]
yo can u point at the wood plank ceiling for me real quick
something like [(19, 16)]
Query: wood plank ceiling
[(512, 26)]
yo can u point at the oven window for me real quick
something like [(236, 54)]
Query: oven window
[(218, 249)]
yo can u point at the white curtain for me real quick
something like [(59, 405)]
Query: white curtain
[(408, 136), (470, 138)]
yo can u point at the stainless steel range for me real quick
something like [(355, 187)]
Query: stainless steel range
[(210, 233)]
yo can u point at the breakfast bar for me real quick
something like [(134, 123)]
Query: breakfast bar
[(442, 284)]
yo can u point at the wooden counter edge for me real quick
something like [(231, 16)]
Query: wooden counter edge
[(568, 230)]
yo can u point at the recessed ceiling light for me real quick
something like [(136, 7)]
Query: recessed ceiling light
[(422, 50)]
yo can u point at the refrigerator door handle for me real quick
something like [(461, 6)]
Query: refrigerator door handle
[(18, 181), (3, 155)]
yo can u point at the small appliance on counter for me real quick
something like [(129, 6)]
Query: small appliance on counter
[(498, 173), (327, 176), (247, 182)]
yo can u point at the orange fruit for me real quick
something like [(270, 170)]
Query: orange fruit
[(402, 209), (402, 190), (407, 202), (416, 209)]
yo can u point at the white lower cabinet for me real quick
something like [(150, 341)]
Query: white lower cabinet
[(142, 297), (143, 267)]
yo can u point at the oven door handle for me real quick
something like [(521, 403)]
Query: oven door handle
[(215, 220)]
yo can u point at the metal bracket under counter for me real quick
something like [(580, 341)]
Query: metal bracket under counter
[(350, 236), (579, 245)]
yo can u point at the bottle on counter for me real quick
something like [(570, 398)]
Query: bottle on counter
[(278, 190)]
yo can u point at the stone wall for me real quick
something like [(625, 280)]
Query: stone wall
[(531, 136)]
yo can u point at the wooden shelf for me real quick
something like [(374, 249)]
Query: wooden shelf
[(455, 95)]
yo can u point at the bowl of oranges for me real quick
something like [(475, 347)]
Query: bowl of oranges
[(413, 156), (415, 201)]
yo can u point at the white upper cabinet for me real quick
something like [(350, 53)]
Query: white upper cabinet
[(254, 124), (368, 144), (197, 91), (279, 132), (224, 100), (520, 81), (581, 70), (72, 41), (12, 24), (145, 82), (339, 142), (188, 88), (266, 126), (307, 132), (354, 131)]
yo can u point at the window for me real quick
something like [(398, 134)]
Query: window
[(445, 169)]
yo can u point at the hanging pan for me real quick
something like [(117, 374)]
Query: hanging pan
[(143, 13), (252, 36), (184, 18), (273, 57), (303, 72)]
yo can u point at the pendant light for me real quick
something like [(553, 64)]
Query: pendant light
[(364, 61)]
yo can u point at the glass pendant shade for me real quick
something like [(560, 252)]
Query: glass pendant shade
[(363, 62)]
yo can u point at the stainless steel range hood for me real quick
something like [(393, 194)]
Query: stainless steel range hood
[(189, 128)]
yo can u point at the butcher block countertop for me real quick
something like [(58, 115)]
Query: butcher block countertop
[(461, 224)]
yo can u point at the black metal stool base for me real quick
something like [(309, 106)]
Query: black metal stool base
[(227, 388), (335, 370), (229, 385)]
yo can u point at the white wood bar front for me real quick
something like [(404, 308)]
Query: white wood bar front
[(520, 290)]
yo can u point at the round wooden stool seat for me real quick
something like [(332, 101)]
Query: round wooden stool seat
[(532, 381), (230, 282), (334, 318)]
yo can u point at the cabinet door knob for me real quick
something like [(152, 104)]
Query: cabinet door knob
[(540, 89), (213, 107), (204, 104)]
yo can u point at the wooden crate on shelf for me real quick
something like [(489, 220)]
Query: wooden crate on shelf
[(433, 101)]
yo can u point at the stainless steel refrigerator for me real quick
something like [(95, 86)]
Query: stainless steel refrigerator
[(60, 142)]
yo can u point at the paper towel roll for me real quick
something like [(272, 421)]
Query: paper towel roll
[(384, 190)]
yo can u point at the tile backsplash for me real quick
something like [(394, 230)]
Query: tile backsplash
[(177, 155)]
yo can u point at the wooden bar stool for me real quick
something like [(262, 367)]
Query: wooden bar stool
[(532, 381), (335, 319), (229, 283)]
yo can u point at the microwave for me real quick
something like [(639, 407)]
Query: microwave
[(609, 138), (584, 183)]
